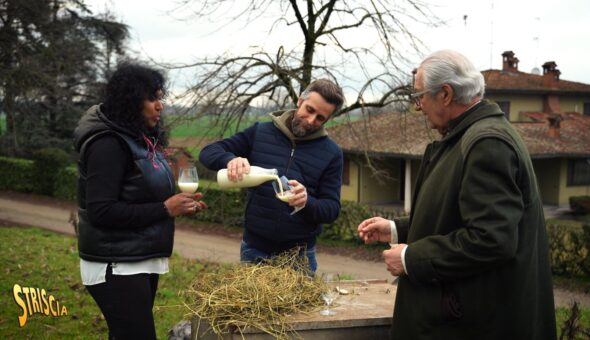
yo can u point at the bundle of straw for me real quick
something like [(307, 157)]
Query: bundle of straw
[(256, 296)]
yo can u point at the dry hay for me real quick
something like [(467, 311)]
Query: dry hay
[(255, 296)]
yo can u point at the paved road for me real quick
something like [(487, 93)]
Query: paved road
[(208, 247)]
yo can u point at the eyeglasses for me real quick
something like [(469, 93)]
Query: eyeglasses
[(417, 96)]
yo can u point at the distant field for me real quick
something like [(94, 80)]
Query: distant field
[(194, 134), (209, 128)]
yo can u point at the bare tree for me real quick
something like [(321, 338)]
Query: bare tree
[(226, 85)]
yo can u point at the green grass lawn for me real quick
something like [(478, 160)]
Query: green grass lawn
[(562, 314), (41, 259)]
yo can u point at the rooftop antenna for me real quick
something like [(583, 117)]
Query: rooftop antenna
[(536, 39), (491, 31), (536, 70)]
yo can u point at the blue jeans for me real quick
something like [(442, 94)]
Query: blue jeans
[(253, 255)]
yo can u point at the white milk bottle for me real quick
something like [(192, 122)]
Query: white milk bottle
[(256, 176)]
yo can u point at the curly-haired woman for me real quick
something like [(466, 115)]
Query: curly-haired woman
[(127, 201)]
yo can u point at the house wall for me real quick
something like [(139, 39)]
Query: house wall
[(519, 103), (566, 191), (548, 172), (552, 179), (573, 104), (382, 189), (350, 192), (531, 103), (365, 188)]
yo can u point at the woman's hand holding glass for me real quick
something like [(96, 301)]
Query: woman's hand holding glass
[(187, 202), (184, 204)]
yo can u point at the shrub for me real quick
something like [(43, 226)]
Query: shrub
[(16, 174), (225, 207), (47, 165), (569, 248), (351, 214), (580, 204), (66, 183)]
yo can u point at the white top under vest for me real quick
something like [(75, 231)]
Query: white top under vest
[(94, 273)]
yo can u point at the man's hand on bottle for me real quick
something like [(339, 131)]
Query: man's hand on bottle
[(236, 168)]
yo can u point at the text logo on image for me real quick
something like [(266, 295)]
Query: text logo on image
[(34, 300)]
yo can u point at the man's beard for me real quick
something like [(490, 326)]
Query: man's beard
[(300, 128)]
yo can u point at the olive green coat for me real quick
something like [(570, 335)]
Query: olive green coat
[(477, 256)]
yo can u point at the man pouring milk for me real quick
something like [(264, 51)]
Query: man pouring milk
[(297, 146)]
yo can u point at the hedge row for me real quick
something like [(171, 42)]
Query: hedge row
[(17, 175), (569, 248), (48, 174), (228, 207), (351, 214), (229, 211), (569, 245)]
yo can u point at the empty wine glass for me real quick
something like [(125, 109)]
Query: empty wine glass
[(329, 295), (188, 180), (286, 193)]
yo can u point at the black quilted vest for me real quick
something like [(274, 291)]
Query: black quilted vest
[(144, 184)]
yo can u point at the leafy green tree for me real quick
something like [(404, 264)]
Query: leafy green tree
[(54, 57)]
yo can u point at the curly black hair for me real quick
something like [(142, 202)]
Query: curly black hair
[(125, 93)]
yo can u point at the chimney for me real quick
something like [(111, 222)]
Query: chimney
[(509, 62), (554, 125), (550, 74), (551, 103)]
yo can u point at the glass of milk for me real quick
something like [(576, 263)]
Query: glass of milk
[(188, 180), (285, 194)]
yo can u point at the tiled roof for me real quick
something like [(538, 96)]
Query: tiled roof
[(388, 134), (406, 135), (574, 139), (497, 80)]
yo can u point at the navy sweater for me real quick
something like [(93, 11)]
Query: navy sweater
[(316, 163)]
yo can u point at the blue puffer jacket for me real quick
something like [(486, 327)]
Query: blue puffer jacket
[(315, 161)]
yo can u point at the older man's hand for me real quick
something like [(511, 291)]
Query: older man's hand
[(375, 229), (393, 259)]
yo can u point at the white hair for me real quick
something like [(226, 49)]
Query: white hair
[(453, 68)]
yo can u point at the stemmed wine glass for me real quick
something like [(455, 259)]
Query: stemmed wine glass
[(286, 194), (329, 295), (188, 180)]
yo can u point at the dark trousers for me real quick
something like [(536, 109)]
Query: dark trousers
[(126, 302)]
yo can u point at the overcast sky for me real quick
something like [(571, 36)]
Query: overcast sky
[(536, 30)]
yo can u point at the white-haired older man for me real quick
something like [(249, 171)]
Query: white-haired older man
[(472, 257)]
